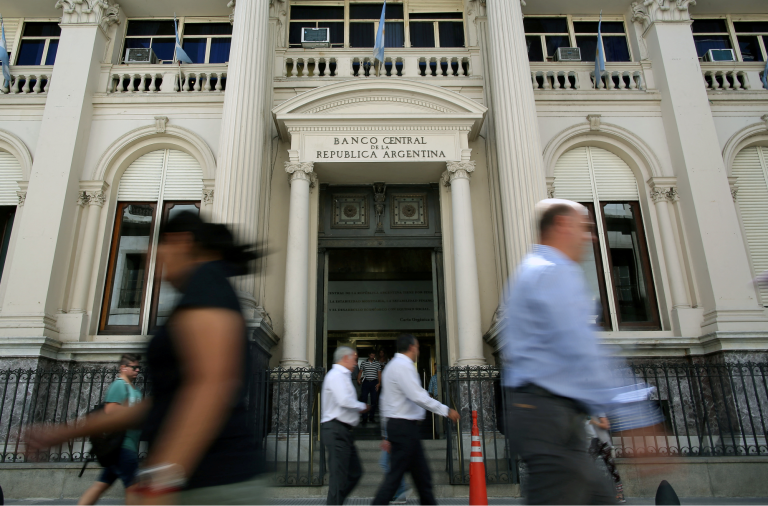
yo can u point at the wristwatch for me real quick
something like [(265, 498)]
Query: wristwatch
[(161, 479)]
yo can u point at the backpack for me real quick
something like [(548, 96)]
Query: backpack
[(105, 446)]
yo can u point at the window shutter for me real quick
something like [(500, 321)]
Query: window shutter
[(10, 173), (141, 180), (572, 179), (183, 177), (751, 169), (614, 179)]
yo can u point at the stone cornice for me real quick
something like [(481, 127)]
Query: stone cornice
[(100, 12), (648, 12)]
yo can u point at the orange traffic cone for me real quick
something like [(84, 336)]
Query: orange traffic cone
[(477, 491)]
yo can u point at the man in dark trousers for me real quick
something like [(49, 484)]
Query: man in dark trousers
[(370, 378), (403, 405), (555, 372), (340, 414)]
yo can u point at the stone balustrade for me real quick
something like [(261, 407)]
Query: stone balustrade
[(409, 63), (148, 79), (28, 80), (732, 76), (551, 76)]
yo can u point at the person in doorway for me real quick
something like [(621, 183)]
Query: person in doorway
[(404, 404), (554, 370), (370, 379), (340, 413), (201, 448), (121, 394), (432, 389), (383, 358)]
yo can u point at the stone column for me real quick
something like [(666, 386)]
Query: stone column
[(93, 201), (661, 196), (470, 335), (239, 168), (40, 260), (296, 305), (518, 143), (720, 261)]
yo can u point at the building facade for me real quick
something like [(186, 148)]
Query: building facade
[(387, 196)]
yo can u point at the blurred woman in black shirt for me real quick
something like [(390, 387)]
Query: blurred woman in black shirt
[(201, 450)]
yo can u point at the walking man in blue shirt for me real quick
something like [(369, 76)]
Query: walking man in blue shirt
[(555, 372)]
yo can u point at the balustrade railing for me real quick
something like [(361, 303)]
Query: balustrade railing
[(732, 76), (148, 79), (581, 76), (412, 63), (27, 80)]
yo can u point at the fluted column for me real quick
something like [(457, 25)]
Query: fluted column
[(518, 144), (661, 196), (297, 266), (92, 202), (239, 168), (470, 335)]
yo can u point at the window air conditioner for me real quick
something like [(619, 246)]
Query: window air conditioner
[(315, 37), (568, 54), (140, 55), (720, 55)]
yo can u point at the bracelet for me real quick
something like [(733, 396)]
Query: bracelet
[(160, 479)]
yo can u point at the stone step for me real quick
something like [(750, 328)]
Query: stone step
[(440, 491)]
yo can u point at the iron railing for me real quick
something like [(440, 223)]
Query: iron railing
[(57, 395), (709, 410)]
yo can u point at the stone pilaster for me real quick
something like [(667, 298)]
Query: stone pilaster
[(465, 264), (41, 254), (243, 128), (727, 295), (518, 143), (301, 178), (92, 199)]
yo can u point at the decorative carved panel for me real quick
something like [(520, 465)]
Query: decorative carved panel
[(350, 211), (409, 210)]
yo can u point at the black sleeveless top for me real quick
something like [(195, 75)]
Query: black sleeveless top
[(233, 456)]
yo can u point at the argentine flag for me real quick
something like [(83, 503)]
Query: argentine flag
[(4, 59), (378, 49), (599, 53), (181, 55)]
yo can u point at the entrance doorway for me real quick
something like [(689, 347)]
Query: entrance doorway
[(381, 277)]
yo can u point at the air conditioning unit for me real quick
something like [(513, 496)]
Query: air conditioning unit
[(315, 37), (140, 55), (720, 55), (568, 54)]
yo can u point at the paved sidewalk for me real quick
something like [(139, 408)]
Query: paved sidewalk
[(706, 501)]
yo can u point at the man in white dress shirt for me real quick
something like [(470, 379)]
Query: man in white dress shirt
[(340, 413), (403, 404)]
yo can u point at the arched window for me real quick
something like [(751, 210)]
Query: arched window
[(152, 190), (750, 167), (617, 268), (10, 174)]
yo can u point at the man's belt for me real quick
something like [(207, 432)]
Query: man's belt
[(348, 426), (530, 388)]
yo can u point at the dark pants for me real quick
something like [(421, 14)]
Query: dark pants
[(369, 387), (406, 454), (547, 432), (343, 463)]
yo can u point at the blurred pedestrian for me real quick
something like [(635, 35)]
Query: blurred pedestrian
[(201, 450), (403, 406), (121, 394), (555, 372), (340, 414), (600, 445), (370, 378)]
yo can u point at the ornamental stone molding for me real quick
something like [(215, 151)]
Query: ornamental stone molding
[(458, 170), (662, 194), (100, 12), (22, 195), (160, 123), (82, 199), (647, 12), (231, 5), (302, 171), (764, 117), (733, 187), (208, 197), (594, 121), (550, 187), (97, 198)]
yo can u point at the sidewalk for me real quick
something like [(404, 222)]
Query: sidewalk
[(493, 501)]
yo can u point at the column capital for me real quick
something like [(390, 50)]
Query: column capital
[(22, 195), (208, 196), (78, 12), (301, 170), (82, 198), (734, 187), (97, 198), (231, 4), (664, 194), (458, 170), (648, 12)]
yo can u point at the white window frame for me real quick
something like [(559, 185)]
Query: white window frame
[(182, 21), (733, 35), (20, 38), (192, 21), (572, 32)]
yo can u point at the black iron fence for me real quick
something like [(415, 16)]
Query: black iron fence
[(709, 410)]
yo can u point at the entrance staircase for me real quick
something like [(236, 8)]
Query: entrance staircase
[(369, 452)]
